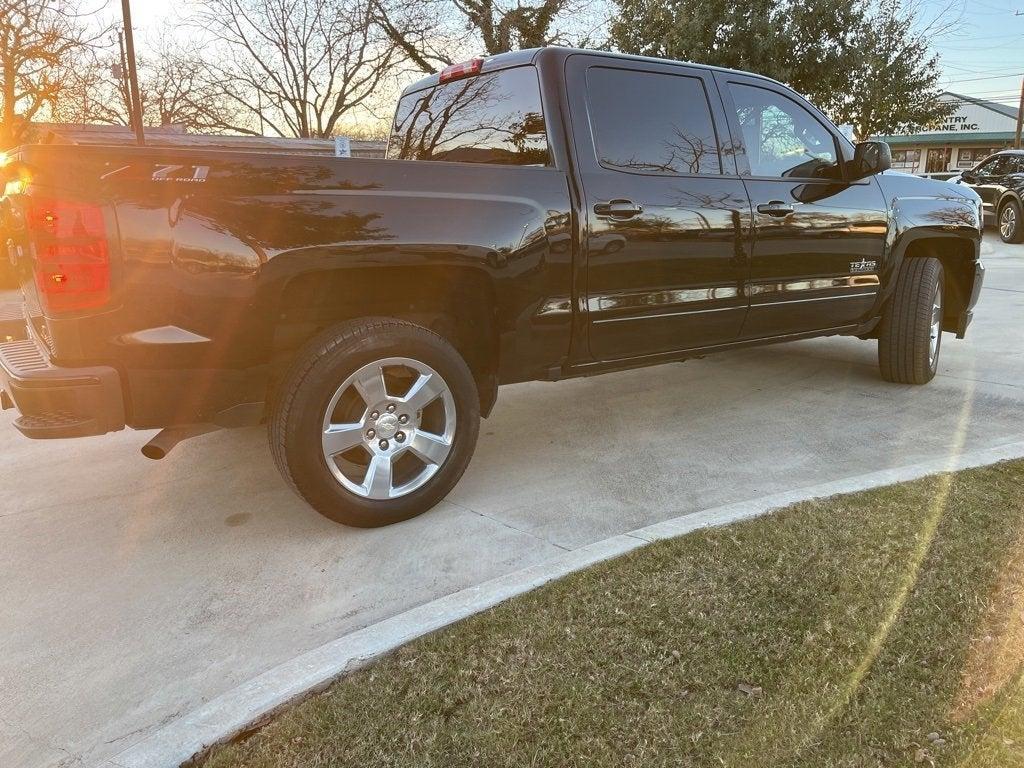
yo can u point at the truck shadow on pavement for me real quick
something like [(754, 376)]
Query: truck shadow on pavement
[(578, 459)]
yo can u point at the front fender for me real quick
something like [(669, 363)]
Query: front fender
[(948, 225), (919, 218)]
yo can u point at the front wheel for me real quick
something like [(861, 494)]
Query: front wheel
[(376, 422), (910, 334), (1011, 226)]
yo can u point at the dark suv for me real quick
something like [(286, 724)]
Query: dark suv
[(999, 180)]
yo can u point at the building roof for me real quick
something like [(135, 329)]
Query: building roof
[(1003, 109)]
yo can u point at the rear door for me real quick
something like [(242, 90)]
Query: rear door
[(667, 216), (819, 239)]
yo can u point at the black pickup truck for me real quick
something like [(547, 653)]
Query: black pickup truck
[(541, 214)]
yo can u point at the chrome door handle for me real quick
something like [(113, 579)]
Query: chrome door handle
[(776, 208), (618, 209)]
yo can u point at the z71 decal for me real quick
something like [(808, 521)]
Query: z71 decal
[(171, 173)]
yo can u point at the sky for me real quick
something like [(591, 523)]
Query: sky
[(982, 51), (983, 56)]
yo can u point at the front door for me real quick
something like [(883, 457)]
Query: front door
[(937, 160), (819, 239), (988, 180), (667, 216)]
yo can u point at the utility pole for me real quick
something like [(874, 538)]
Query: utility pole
[(133, 75), (1020, 116), (122, 80)]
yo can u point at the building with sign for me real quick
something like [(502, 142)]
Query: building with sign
[(973, 132)]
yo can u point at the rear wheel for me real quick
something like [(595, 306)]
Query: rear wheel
[(910, 334), (1011, 225), (376, 422)]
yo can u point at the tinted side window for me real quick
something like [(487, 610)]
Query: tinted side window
[(491, 118), (994, 166), (1016, 164), (781, 137), (651, 122)]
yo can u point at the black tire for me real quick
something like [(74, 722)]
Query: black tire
[(904, 338), (297, 421), (1010, 231)]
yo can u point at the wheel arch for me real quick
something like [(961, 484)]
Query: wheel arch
[(1007, 196), (457, 302), (958, 256)]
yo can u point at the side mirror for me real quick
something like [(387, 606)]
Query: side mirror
[(869, 158), (969, 177)]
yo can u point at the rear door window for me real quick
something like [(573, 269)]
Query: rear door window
[(491, 118), (650, 122)]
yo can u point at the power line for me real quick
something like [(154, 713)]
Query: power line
[(988, 96), (989, 37), (996, 97), (987, 77)]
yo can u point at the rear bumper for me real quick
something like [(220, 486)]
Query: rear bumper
[(57, 402), (12, 322)]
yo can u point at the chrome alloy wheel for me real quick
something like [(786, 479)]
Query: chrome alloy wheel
[(380, 444), (1008, 222), (935, 332)]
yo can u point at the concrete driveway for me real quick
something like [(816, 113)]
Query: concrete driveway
[(133, 591)]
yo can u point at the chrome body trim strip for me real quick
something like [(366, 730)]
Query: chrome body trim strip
[(862, 295), (814, 284), (670, 314), (665, 298)]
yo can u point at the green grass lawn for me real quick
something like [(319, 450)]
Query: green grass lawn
[(883, 628)]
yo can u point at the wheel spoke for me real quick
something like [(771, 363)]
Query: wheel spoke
[(387, 427), (427, 388), (370, 385), (377, 483), (432, 449), (339, 438)]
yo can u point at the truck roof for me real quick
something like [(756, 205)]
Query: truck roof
[(532, 55)]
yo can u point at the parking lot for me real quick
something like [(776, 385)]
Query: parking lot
[(133, 591)]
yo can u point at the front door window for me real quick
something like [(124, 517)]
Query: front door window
[(782, 138)]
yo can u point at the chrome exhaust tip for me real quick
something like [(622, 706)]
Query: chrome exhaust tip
[(166, 439)]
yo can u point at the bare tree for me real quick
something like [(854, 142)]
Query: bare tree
[(425, 30), (506, 28), (295, 67), (172, 86), (39, 39), (418, 30)]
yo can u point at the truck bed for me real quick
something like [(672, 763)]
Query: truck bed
[(221, 263)]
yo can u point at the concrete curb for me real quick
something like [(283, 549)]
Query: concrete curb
[(254, 702)]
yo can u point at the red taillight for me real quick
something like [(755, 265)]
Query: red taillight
[(458, 71), (72, 257)]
